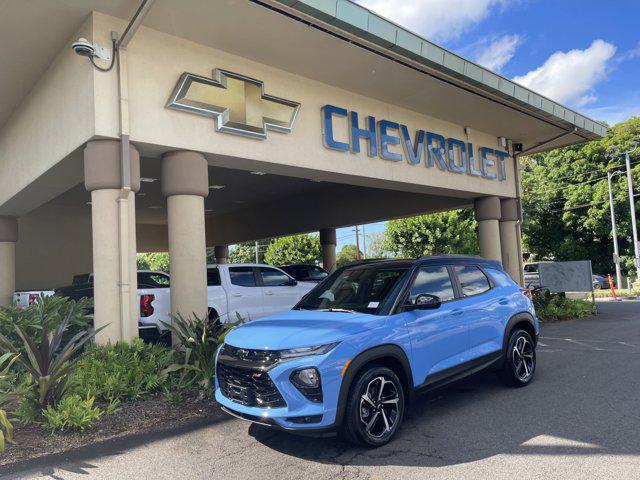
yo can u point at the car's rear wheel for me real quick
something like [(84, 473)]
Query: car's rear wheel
[(520, 361), (375, 407), (597, 286)]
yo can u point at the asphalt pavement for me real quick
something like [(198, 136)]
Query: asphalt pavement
[(579, 419)]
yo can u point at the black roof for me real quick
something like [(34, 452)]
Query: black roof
[(433, 260)]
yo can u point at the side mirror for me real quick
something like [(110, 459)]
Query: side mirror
[(293, 282), (424, 301)]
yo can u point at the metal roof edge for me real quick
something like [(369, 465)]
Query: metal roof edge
[(362, 23)]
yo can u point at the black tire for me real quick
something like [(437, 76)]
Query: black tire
[(519, 365), (384, 416)]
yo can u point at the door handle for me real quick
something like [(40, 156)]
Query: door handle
[(236, 294), (503, 301), (457, 312), (268, 292)]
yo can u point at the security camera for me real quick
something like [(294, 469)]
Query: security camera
[(84, 48)]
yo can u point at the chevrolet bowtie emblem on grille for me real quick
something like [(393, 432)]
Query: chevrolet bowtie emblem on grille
[(237, 103)]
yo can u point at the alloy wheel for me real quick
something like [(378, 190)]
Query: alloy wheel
[(523, 359), (379, 407)]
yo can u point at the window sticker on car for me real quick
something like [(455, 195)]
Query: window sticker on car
[(373, 304)]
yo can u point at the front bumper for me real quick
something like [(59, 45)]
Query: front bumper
[(298, 407)]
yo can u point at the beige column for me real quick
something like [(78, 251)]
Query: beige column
[(509, 238), (328, 243), (113, 224), (185, 183), (8, 239), (221, 253), (488, 214)]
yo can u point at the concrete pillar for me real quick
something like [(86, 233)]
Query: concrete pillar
[(509, 238), (113, 222), (328, 243), (488, 215), (221, 253), (8, 239), (185, 183)]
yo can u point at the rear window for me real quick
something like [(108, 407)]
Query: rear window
[(472, 280)]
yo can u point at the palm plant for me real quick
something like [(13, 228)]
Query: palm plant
[(200, 339), (6, 428), (48, 360)]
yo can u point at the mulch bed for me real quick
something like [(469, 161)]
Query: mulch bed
[(143, 416)]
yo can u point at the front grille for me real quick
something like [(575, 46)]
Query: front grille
[(253, 388), (248, 358)]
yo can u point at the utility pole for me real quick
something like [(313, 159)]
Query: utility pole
[(364, 243), (357, 242), (616, 252), (257, 257), (632, 204)]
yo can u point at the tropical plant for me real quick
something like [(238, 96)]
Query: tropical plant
[(46, 313), (6, 427), (122, 371), (293, 249), (554, 306), (49, 360), (200, 339), (72, 412), (158, 261)]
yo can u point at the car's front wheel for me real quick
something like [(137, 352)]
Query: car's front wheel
[(375, 407), (520, 362)]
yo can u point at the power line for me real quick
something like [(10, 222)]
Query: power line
[(584, 205)]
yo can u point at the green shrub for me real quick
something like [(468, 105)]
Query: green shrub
[(200, 339), (72, 412), (553, 306), (6, 427), (47, 357), (114, 373)]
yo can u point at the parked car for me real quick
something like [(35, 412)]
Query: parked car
[(600, 282), (306, 273), (532, 274), (355, 350), (24, 298)]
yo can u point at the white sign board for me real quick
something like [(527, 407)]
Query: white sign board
[(566, 276)]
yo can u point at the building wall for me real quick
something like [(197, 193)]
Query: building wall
[(54, 244), (53, 120), (156, 61)]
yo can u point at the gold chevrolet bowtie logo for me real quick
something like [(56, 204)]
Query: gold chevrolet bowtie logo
[(237, 103)]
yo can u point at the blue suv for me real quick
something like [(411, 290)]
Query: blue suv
[(357, 348)]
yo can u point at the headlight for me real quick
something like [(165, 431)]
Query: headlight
[(307, 351)]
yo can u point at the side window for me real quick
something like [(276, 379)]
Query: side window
[(433, 281), (242, 276), (472, 280), (213, 277), (316, 273), (144, 281), (274, 278)]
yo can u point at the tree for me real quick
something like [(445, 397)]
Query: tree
[(566, 202), (346, 255), (436, 233), (153, 261), (377, 246), (246, 252), (293, 249)]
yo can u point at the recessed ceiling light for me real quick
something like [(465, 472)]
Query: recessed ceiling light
[(208, 210), (148, 179), (216, 187), (155, 207), (258, 173)]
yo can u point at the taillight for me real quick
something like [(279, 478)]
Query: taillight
[(146, 309), (32, 298), (527, 293)]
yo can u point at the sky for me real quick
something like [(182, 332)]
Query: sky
[(584, 54)]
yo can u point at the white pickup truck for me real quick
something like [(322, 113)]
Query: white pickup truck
[(23, 298), (249, 290)]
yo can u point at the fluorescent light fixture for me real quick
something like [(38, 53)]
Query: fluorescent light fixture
[(148, 179), (88, 203), (216, 187), (141, 194), (155, 207), (258, 173)]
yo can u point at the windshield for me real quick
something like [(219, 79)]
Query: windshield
[(356, 289)]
